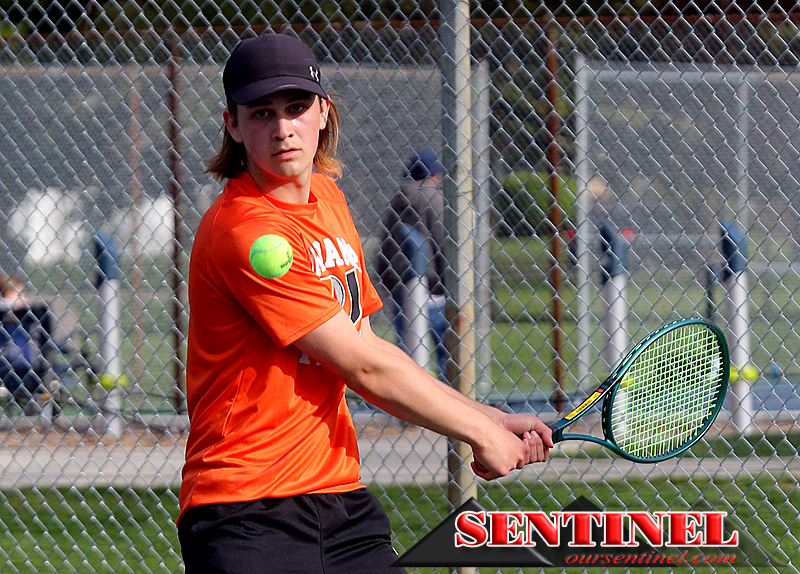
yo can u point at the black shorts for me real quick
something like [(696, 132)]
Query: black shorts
[(345, 533)]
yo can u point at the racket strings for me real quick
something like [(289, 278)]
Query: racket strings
[(668, 393)]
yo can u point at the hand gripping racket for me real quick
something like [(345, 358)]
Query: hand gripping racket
[(662, 397)]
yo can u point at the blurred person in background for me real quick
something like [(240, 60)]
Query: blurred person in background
[(412, 243), (25, 340)]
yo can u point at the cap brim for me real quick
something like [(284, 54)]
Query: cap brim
[(267, 86)]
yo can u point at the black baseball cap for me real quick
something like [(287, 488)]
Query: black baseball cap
[(269, 63)]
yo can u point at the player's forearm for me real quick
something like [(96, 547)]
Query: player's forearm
[(395, 383), (399, 386), (491, 412), (391, 380)]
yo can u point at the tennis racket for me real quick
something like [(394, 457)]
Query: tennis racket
[(662, 397)]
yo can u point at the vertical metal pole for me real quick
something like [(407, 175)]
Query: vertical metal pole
[(415, 306), (615, 320), (582, 223), (709, 281), (176, 275), (483, 230), (558, 398), (137, 276), (459, 249), (738, 292), (108, 318), (108, 296)]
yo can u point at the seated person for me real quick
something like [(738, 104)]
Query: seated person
[(24, 340)]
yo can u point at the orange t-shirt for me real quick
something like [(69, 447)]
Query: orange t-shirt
[(265, 420)]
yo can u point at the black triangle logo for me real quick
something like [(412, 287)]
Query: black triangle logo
[(438, 548)]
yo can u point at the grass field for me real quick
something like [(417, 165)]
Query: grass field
[(103, 530), (109, 530)]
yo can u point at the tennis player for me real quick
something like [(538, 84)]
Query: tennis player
[(271, 480)]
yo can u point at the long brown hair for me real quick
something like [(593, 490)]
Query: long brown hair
[(231, 159)]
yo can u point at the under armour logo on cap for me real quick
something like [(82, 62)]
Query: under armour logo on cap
[(270, 63)]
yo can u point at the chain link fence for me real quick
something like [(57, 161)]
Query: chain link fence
[(607, 169)]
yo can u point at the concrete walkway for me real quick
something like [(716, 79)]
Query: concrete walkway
[(390, 453)]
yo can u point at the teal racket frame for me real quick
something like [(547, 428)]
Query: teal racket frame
[(609, 387)]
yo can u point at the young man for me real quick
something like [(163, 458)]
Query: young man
[(271, 480)]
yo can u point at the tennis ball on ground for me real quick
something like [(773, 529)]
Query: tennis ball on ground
[(271, 256)]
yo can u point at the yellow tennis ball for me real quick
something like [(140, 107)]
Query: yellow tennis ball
[(734, 376), (109, 381), (749, 373), (271, 256)]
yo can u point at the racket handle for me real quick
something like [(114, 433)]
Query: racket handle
[(558, 430)]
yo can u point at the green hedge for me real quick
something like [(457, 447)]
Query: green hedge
[(523, 203)]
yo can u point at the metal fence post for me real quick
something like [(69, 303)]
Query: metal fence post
[(460, 280), (483, 227)]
